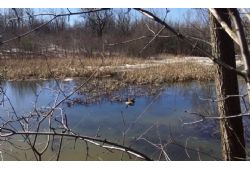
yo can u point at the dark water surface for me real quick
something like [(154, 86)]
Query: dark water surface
[(162, 114)]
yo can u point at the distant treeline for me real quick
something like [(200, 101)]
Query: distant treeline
[(87, 33)]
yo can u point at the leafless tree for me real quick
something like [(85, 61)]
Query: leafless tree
[(98, 20), (234, 149)]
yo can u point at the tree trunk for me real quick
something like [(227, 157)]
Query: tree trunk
[(245, 54), (232, 133)]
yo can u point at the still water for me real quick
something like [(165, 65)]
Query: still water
[(159, 120)]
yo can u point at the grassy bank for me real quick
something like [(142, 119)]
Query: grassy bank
[(25, 69), (42, 68), (175, 72)]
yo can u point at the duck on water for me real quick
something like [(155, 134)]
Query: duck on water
[(130, 102)]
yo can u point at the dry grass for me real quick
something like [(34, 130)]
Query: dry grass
[(177, 72), (152, 80), (23, 69), (107, 80), (20, 69)]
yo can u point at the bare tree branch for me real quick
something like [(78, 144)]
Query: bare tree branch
[(181, 36), (247, 13), (5, 132), (204, 118), (224, 25), (54, 17)]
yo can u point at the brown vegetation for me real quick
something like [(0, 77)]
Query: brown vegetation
[(41, 68), (175, 72)]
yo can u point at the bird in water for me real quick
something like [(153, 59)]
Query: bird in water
[(130, 102)]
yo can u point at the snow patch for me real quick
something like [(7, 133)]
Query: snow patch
[(67, 79)]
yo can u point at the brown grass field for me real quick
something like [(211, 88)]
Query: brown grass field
[(60, 68)]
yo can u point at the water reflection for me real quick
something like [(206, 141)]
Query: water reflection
[(162, 114)]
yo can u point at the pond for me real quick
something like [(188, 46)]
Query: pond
[(158, 120)]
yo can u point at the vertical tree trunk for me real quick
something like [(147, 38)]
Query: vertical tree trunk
[(232, 134), (234, 14)]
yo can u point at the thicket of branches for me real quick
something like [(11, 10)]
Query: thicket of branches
[(86, 34), (101, 27)]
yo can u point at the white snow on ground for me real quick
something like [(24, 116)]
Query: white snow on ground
[(153, 63), (67, 79)]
